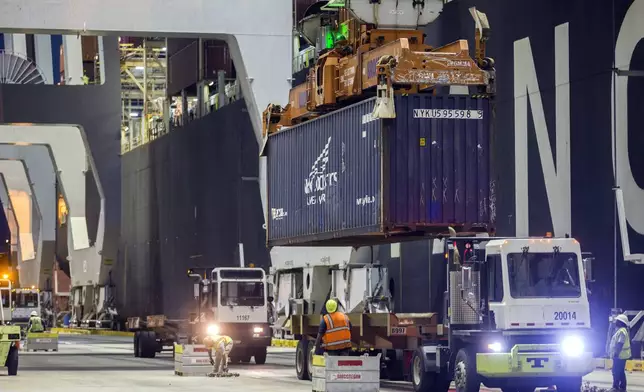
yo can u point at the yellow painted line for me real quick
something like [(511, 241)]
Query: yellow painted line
[(70, 331), (100, 332), (103, 332)]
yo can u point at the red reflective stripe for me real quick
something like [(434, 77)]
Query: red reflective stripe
[(351, 362)]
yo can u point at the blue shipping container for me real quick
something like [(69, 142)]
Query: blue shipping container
[(349, 179)]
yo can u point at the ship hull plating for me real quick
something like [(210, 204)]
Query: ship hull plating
[(189, 200)]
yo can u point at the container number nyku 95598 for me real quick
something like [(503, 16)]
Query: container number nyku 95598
[(457, 114)]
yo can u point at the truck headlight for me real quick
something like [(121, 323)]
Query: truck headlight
[(572, 346), (213, 329), (496, 347), (258, 330)]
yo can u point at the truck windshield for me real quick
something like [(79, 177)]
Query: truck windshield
[(26, 300), (544, 275), (234, 293)]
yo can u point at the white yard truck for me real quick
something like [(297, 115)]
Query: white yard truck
[(25, 301), (515, 315), (231, 301), (238, 301)]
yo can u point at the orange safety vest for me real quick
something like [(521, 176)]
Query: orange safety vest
[(338, 333)]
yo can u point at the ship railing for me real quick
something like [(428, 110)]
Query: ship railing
[(304, 59)]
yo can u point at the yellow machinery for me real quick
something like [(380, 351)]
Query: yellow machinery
[(376, 48)]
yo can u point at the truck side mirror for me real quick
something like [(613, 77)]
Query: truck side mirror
[(587, 262)]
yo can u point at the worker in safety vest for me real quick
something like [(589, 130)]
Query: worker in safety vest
[(222, 345), (334, 332), (620, 351), (35, 323)]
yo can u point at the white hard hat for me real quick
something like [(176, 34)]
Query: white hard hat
[(622, 318), (34, 313)]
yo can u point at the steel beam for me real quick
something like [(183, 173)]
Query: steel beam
[(25, 208), (44, 58), (70, 156), (12, 221), (42, 175)]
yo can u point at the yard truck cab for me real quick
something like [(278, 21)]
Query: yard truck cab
[(25, 301), (517, 318), (9, 334), (238, 301)]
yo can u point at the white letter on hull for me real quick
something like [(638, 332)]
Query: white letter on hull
[(557, 180), (630, 197)]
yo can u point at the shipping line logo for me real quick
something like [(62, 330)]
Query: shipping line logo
[(318, 181), (278, 213)]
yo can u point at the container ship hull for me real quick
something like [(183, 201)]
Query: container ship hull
[(553, 159)]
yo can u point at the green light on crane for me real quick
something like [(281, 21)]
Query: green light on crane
[(333, 4), (332, 37)]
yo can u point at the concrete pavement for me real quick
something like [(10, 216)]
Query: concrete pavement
[(107, 362)]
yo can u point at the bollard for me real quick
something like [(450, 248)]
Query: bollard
[(191, 360), (42, 341), (346, 374)]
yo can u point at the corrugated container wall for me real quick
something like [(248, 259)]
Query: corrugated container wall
[(183, 64), (217, 58), (347, 178)]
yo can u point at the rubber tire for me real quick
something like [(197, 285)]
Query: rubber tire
[(12, 362), (570, 385), (472, 380), (137, 348), (426, 381), (260, 355), (395, 365), (301, 360), (245, 359), (148, 344)]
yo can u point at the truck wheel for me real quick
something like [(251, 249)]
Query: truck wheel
[(260, 356), (245, 358), (12, 362), (148, 344), (137, 351), (465, 376), (570, 385), (302, 360), (424, 381), (395, 365)]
